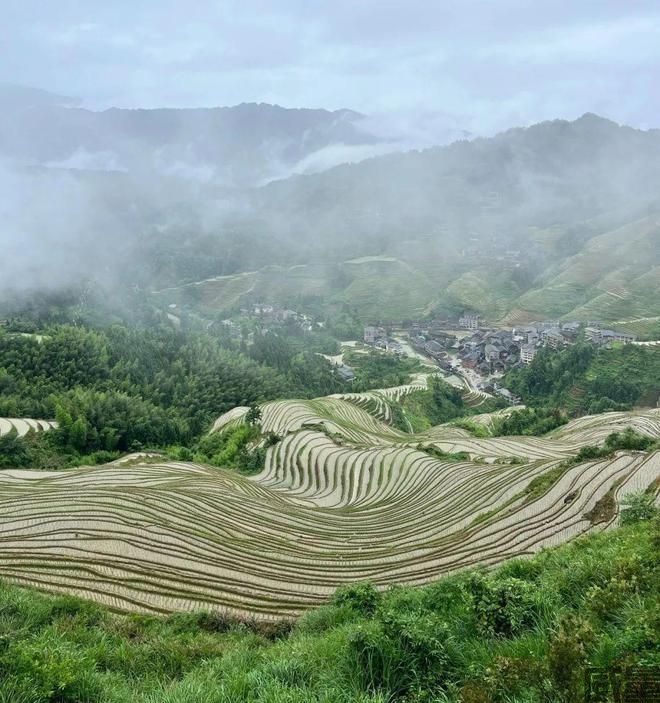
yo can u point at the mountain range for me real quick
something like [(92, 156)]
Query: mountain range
[(245, 145), (556, 220)]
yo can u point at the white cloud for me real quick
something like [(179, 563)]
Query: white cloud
[(477, 61), (84, 160), (632, 39)]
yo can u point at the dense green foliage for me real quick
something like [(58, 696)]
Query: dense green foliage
[(242, 448), (585, 379), (182, 379), (302, 365), (441, 402), (123, 388), (119, 388), (376, 369), (638, 507), (529, 421), (46, 451), (628, 440), (524, 633)]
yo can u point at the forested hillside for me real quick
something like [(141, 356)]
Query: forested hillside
[(121, 388), (329, 352), (555, 221), (115, 387), (583, 378), (240, 146)]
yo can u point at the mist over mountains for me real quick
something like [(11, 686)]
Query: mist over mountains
[(167, 198), (240, 146)]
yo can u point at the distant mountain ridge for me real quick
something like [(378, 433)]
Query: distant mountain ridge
[(14, 96), (236, 146)]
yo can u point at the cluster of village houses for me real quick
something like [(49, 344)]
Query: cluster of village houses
[(491, 351), (270, 317), (274, 314)]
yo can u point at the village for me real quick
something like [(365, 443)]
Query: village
[(482, 353), (468, 348)]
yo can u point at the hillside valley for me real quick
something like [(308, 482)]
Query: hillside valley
[(329, 352), (555, 221)]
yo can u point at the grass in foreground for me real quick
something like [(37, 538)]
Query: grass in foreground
[(522, 633)]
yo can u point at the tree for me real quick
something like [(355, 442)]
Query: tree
[(253, 415), (78, 434)]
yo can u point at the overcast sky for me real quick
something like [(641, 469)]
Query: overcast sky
[(480, 66)]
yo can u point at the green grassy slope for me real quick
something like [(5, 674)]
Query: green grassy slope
[(278, 284), (488, 290), (379, 287), (386, 288), (613, 276)]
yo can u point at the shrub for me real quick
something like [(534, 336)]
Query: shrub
[(567, 656), (523, 569), (235, 448), (360, 597), (630, 440), (529, 421), (324, 619), (637, 507), (503, 607), (589, 452), (606, 601), (474, 428), (508, 674), (202, 620), (271, 439), (400, 653), (253, 415)]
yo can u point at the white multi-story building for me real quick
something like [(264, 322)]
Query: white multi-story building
[(527, 353), (614, 336), (469, 322)]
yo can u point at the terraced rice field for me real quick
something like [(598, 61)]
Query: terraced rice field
[(356, 500), (367, 421), (360, 416), (23, 425)]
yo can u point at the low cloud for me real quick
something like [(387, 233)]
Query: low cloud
[(84, 160)]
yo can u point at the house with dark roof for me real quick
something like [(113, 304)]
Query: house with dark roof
[(434, 348), (614, 336), (346, 373)]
